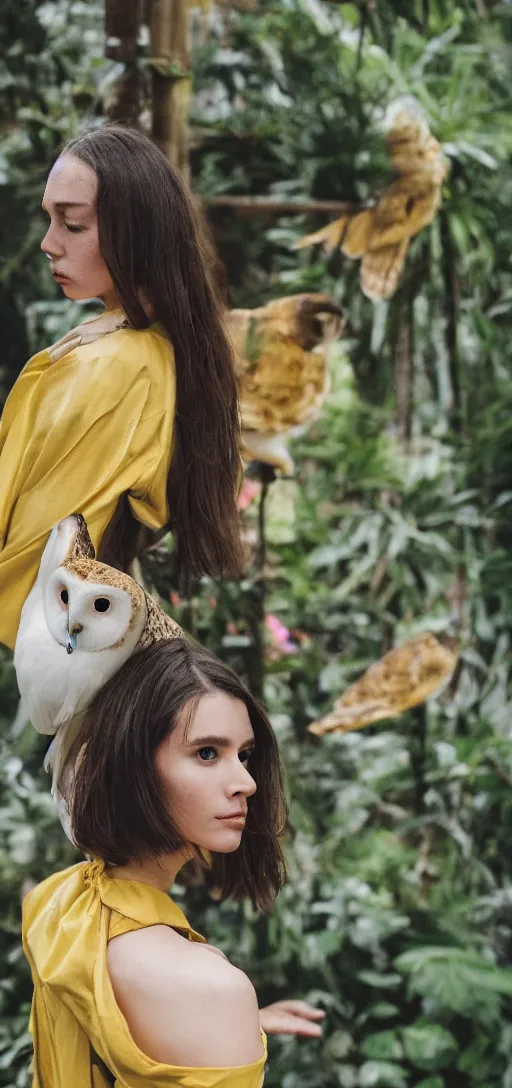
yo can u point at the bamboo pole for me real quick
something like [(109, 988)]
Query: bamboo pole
[(171, 80), (122, 25)]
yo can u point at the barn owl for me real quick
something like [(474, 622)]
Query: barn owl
[(281, 351), (79, 624), (405, 677), (380, 235)]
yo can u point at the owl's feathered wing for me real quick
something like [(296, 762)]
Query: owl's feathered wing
[(281, 351), (158, 625), (380, 235), (54, 763)]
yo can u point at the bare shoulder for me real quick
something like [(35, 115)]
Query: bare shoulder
[(185, 1004)]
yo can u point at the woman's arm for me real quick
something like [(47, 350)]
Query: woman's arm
[(184, 1005)]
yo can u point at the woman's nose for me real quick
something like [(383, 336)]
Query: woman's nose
[(243, 784), (50, 244)]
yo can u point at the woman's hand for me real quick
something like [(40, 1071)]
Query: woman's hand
[(291, 1018)]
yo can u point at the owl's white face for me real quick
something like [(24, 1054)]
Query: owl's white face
[(88, 615)]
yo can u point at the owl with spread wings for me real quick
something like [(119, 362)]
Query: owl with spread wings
[(281, 350), (379, 236)]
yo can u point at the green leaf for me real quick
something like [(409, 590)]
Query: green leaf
[(429, 1046), (383, 1046), (382, 1075), (455, 978)]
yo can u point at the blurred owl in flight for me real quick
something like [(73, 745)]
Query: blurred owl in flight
[(405, 677), (281, 350), (380, 235), (79, 624)]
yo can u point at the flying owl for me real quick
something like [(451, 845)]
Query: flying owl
[(281, 351), (380, 235), (79, 624), (405, 677)]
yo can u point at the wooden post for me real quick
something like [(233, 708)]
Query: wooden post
[(122, 25), (171, 80)]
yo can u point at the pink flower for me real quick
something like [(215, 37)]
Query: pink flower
[(249, 491), (279, 634)]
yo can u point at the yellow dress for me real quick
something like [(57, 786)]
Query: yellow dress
[(81, 1038), (83, 424)]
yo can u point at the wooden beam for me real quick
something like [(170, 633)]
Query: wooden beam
[(262, 205)]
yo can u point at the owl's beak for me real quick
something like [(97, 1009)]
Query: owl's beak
[(72, 639)]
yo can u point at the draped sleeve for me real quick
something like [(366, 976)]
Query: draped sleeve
[(75, 435)]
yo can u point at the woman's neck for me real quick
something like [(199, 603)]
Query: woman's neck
[(111, 301), (158, 872)]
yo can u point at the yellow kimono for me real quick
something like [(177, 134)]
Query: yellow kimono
[(81, 1038), (85, 422)]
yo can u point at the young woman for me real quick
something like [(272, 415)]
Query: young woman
[(132, 418), (177, 761)]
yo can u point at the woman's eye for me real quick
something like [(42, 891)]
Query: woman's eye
[(245, 755), (207, 754), (73, 229)]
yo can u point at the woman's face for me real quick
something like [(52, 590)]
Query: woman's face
[(71, 242), (203, 768)]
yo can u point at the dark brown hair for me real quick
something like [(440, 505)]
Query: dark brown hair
[(155, 245), (117, 809)]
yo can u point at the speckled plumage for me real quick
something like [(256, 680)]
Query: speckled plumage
[(158, 625)]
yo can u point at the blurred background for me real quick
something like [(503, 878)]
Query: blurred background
[(384, 518)]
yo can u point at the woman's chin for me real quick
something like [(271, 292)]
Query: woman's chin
[(227, 841), (72, 292), (77, 294)]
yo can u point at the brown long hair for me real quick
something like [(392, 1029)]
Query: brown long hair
[(155, 245), (117, 809)]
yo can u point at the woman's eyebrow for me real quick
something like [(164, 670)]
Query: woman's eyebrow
[(63, 204), (218, 742)]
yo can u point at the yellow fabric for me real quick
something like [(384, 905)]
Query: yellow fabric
[(79, 428), (67, 923)]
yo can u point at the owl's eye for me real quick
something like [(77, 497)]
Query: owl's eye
[(102, 604), (64, 596)]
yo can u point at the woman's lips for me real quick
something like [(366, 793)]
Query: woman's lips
[(237, 818), (59, 276)]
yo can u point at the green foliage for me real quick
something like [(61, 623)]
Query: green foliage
[(53, 78), (397, 915)]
